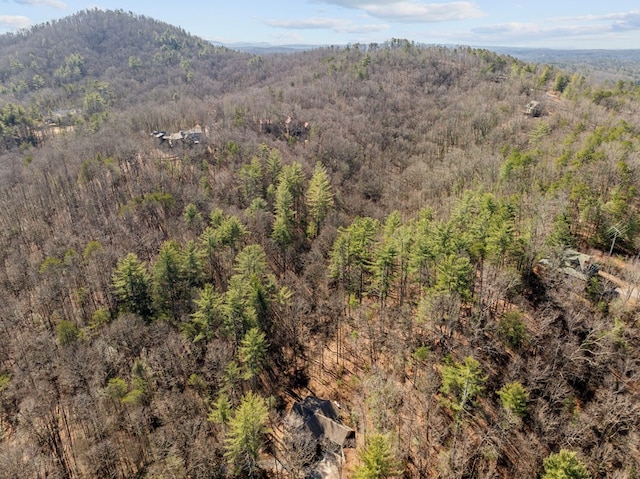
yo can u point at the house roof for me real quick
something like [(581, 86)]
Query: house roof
[(573, 263), (195, 130), (321, 418)]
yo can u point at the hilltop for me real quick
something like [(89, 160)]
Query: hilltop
[(194, 238), (134, 54)]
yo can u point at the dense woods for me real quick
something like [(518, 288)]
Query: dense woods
[(379, 225)]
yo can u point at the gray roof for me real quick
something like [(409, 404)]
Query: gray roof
[(321, 418), (175, 136), (573, 263), (193, 131)]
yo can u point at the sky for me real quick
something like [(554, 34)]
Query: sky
[(568, 24)]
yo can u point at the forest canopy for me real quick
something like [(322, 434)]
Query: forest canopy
[(441, 241)]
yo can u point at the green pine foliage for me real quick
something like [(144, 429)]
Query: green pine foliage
[(564, 465), (352, 254), (67, 332), (454, 276), (221, 411), (4, 381), (245, 438), (514, 398), (208, 316), (378, 460), (192, 217), (319, 198), (252, 353), (167, 280), (512, 329), (461, 383), (132, 286)]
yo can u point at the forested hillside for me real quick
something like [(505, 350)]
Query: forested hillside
[(192, 238)]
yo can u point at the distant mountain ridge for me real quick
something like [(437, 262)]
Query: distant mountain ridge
[(265, 48), (606, 64), (594, 60)]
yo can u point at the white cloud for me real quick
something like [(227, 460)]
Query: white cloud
[(14, 21), (337, 25), (588, 26), (623, 16), (629, 22), (532, 29), (413, 11), (618, 30), (616, 21), (44, 3)]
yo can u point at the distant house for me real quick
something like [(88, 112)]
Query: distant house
[(174, 136), (533, 109), (62, 117), (194, 136), (321, 418), (573, 263), (284, 129)]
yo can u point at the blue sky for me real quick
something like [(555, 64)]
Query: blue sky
[(567, 24)]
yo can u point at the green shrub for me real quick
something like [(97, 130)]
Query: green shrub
[(512, 330), (514, 397)]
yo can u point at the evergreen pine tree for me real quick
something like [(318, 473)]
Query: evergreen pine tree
[(319, 199), (132, 286), (245, 437), (378, 460)]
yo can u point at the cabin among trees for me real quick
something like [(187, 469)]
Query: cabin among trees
[(193, 136), (323, 421), (315, 438), (533, 109), (287, 129)]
